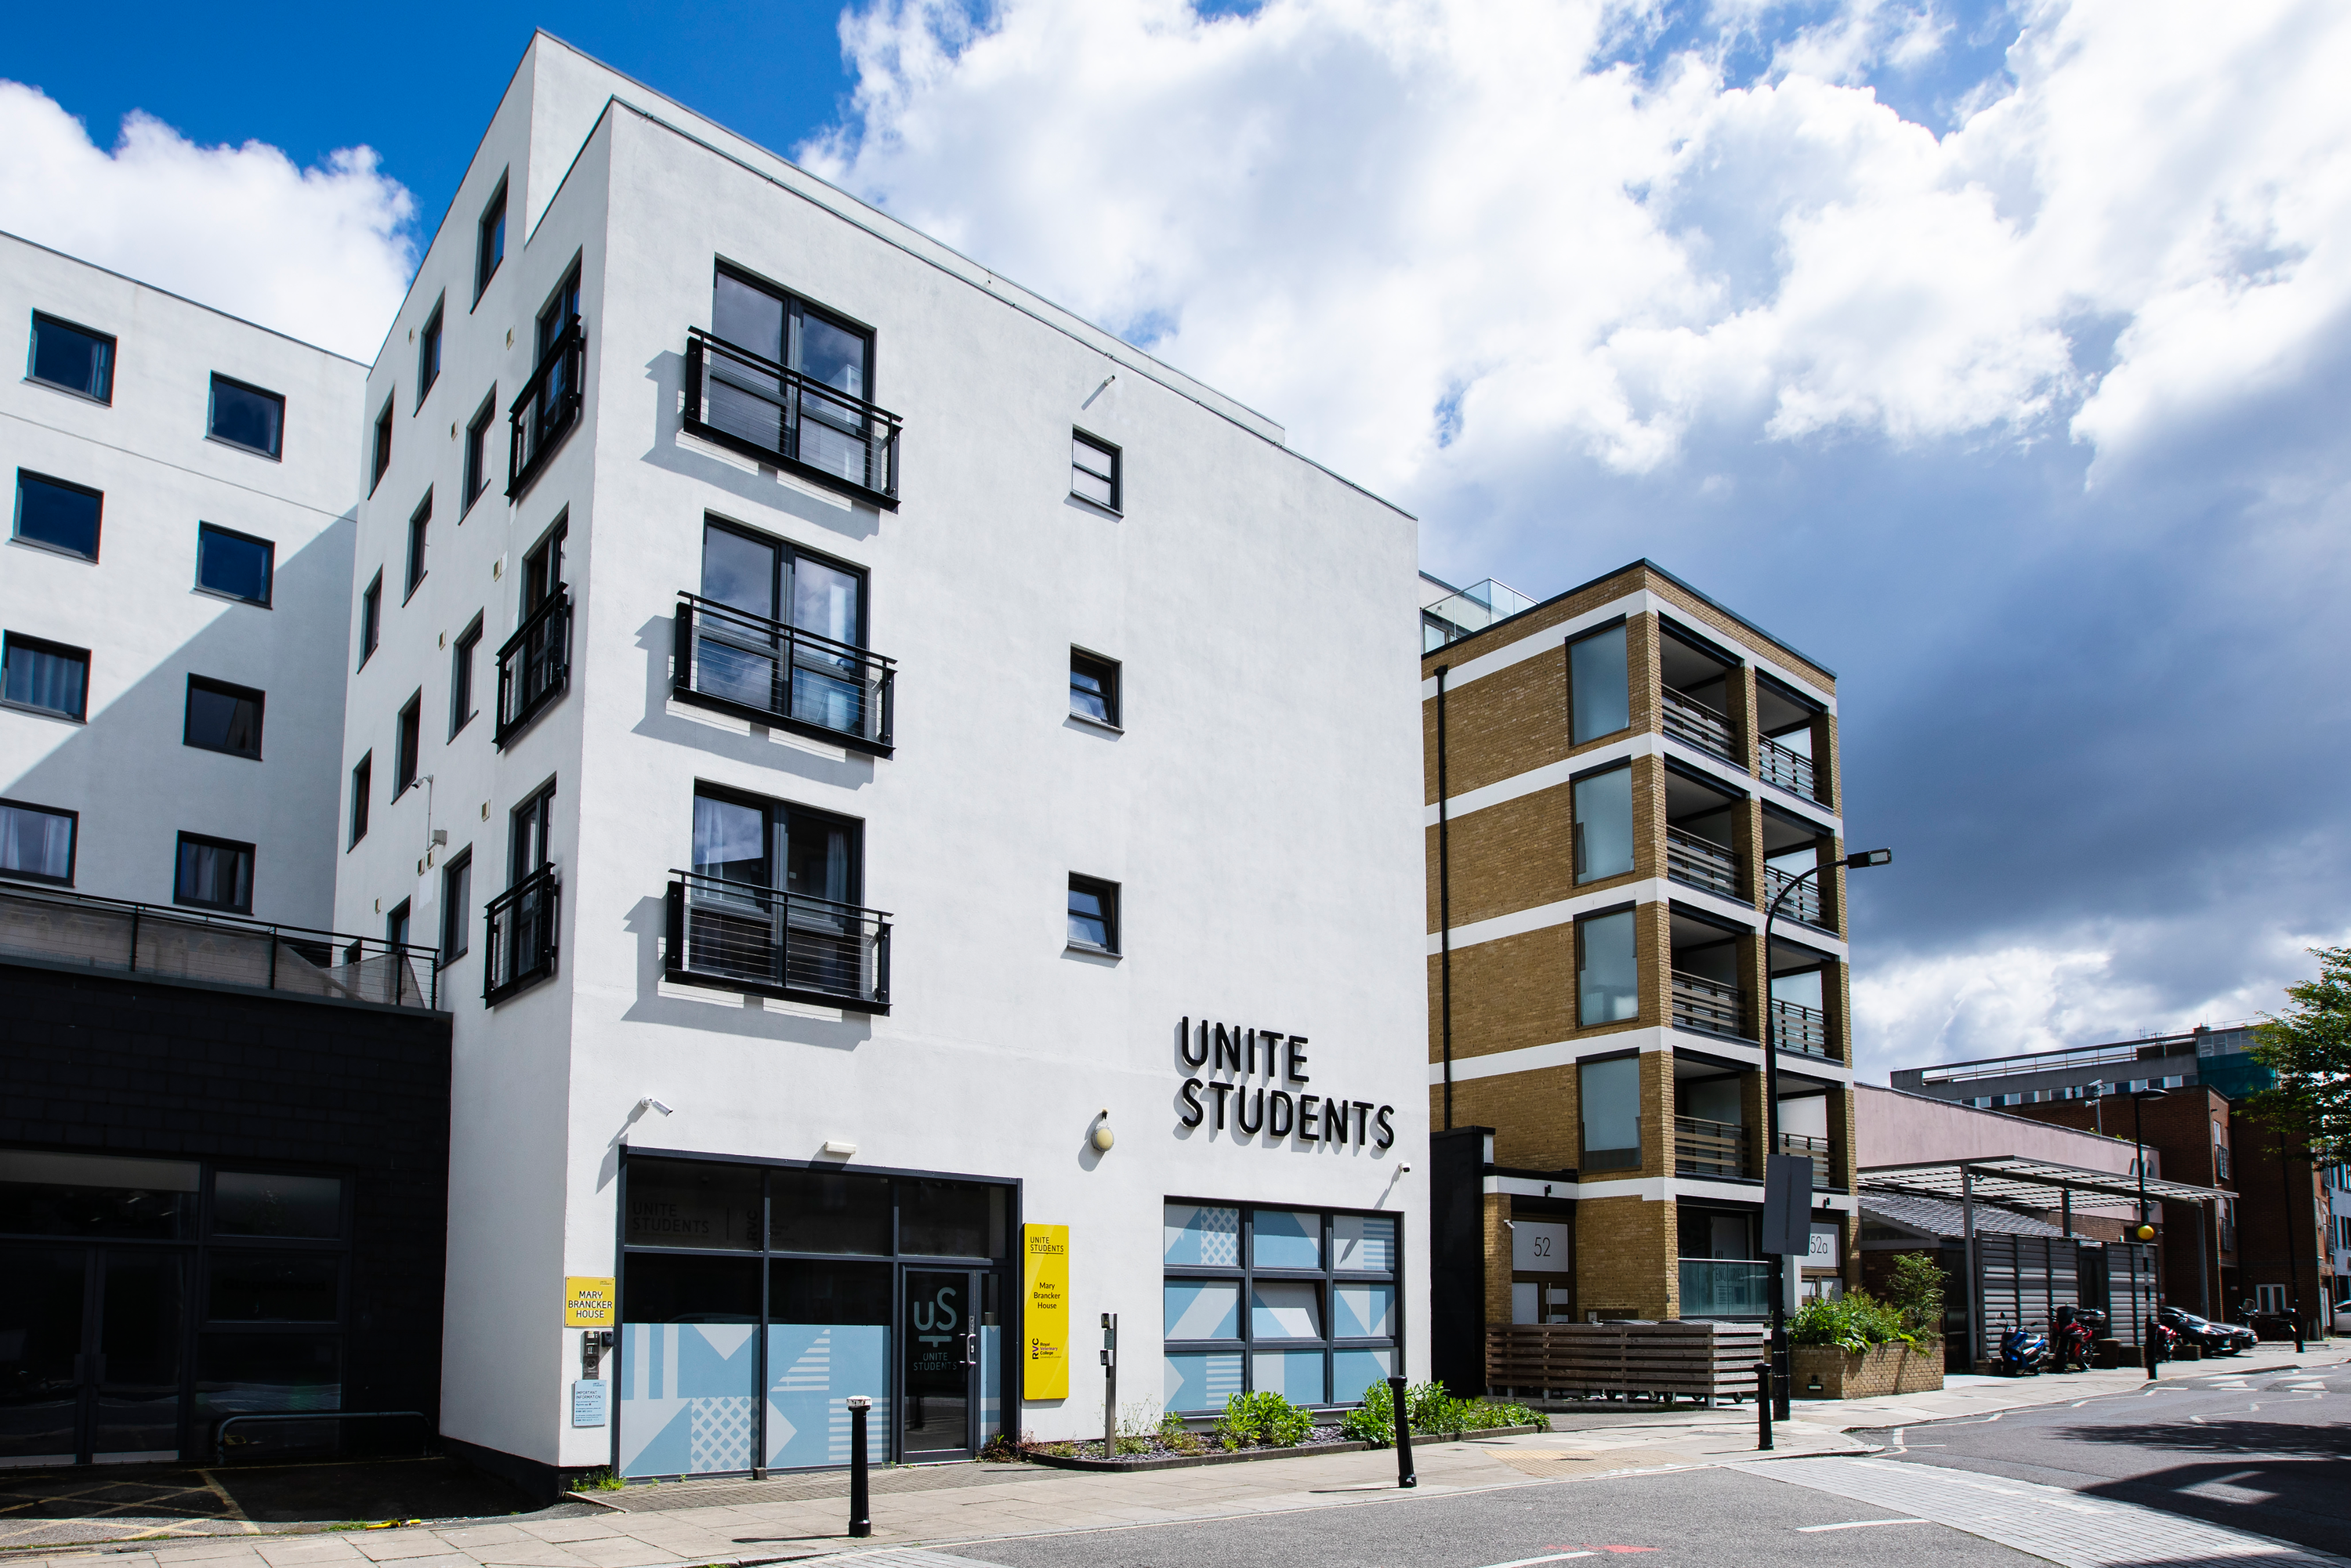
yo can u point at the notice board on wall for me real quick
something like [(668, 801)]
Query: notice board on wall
[(1045, 1312)]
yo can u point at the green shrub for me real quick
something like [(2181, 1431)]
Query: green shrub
[(1915, 1290), (1432, 1411), (1265, 1418), (1177, 1435), (1372, 1421), (1853, 1323)]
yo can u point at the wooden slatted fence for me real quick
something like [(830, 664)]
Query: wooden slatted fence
[(1698, 1360)]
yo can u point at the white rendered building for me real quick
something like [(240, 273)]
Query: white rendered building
[(177, 572), (873, 735)]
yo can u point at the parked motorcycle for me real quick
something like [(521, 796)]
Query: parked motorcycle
[(2022, 1351), (2078, 1329)]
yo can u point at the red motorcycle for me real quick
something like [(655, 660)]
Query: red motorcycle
[(2078, 1329)]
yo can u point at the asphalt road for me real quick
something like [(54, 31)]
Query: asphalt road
[(2268, 1452), (1689, 1516)]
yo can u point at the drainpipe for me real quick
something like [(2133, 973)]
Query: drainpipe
[(1444, 900)]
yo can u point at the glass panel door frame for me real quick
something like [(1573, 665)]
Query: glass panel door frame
[(996, 1371)]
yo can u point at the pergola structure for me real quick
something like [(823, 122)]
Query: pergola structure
[(2015, 1181)]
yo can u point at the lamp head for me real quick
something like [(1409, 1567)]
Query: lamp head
[(2143, 1233), (1860, 860), (1102, 1136)]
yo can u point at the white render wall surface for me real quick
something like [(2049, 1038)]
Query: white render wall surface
[(137, 609), (1259, 809)]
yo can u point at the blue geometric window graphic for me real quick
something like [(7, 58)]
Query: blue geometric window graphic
[(1299, 1302)]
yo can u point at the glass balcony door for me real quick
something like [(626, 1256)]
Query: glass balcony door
[(754, 659), (812, 935), (797, 417)]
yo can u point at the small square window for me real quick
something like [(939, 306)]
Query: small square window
[(419, 523), (36, 842), (478, 449), (363, 776), (461, 677), (382, 447), (490, 247), (370, 619), (428, 355), (1093, 471), (1093, 914), (72, 358), (1093, 689), (234, 565), (405, 758), (58, 515), (248, 416), (213, 873), (222, 718), (45, 677)]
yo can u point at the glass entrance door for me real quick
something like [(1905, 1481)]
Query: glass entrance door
[(134, 1370), (939, 1391), (42, 1297), (90, 1354)]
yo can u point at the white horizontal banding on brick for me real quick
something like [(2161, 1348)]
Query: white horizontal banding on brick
[(1649, 890)]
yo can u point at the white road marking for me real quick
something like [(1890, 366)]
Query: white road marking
[(1529, 1562), (1857, 1524)]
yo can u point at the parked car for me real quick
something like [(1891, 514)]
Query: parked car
[(2216, 1339), (2343, 1316)]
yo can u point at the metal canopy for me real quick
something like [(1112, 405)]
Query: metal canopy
[(2014, 1180)]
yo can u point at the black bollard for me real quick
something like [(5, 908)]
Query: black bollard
[(1405, 1478), (2154, 1344), (860, 1511), (1763, 1406)]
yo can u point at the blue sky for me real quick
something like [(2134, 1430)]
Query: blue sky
[(1992, 354)]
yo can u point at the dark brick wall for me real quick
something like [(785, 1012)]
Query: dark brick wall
[(120, 1065)]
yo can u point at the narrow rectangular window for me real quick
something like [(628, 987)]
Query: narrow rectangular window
[(1607, 971), (1608, 1094), (1599, 698), (234, 565), (456, 906), (1604, 825), (1093, 689), (534, 824), (478, 448), (72, 358), (36, 842), (419, 522), (405, 758), (213, 873), (370, 619), (58, 515), (222, 718), (490, 245), (248, 416), (395, 925), (383, 446), (542, 569), (1093, 471), (428, 354), (45, 677), (1093, 914), (461, 677), (362, 781)]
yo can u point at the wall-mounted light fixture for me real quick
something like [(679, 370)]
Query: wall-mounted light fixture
[(1103, 1137), (650, 1103), (839, 1148)]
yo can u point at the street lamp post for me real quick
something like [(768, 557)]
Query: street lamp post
[(1860, 861), (2144, 1233)]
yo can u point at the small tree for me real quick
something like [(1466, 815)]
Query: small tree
[(2308, 1049), (1914, 1287)]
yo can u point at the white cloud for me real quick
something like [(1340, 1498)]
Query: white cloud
[(321, 254), (1346, 211)]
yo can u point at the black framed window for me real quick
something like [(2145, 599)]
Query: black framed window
[(542, 568), (1302, 1302), (213, 873), (246, 415), (404, 754), (478, 448), (58, 514), (1608, 1101), (222, 718), (1603, 823), (362, 780), (490, 240), (777, 581), (428, 354), (769, 844), (420, 523), (456, 907), (559, 311), (530, 845), (1094, 471), (790, 331), (461, 677), (1598, 689), (36, 842), (234, 565), (370, 618), (44, 677), (1608, 969), (1093, 914), (1094, 687), (396, 924), (383, 445), (78, 359)]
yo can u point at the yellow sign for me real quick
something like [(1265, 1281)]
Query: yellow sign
[(591, 1303), (1045, 1290)]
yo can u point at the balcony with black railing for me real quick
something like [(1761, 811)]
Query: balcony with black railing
[(1800, 1029), (1702, 862), (1703, 1004), (55, 927), (1689, 719), (1814, 1149), (764, 410), (518, 949), (772, 673), (534, 666), (740, 936), (1803, 904), (546, 408), (1791, 770), (1705, 1148)]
